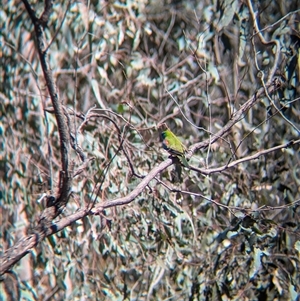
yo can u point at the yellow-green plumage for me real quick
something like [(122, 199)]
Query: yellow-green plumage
[(172, 144)]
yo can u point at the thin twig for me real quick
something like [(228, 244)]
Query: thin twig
[(245, 159)]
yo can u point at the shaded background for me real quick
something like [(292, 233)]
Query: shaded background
[(190, 64)]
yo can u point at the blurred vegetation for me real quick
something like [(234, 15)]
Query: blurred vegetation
[(135, 64)]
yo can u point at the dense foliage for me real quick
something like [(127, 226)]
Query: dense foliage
[(121, 68)]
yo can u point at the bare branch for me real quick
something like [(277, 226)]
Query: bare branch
[(46, 13), (242, 160), (134, 193), (66, 174), (236, 117), (265, 42), (23, 246)]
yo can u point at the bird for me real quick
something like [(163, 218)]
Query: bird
[(172, 144)]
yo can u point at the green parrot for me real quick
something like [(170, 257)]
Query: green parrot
[(172, 144)]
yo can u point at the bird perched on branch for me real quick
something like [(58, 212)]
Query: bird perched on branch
[(172, 144)]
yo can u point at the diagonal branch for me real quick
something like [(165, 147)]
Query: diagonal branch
[(46, 13), (23, 246), (14, 254), (66, 178), (209, 171), (236, 117)]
